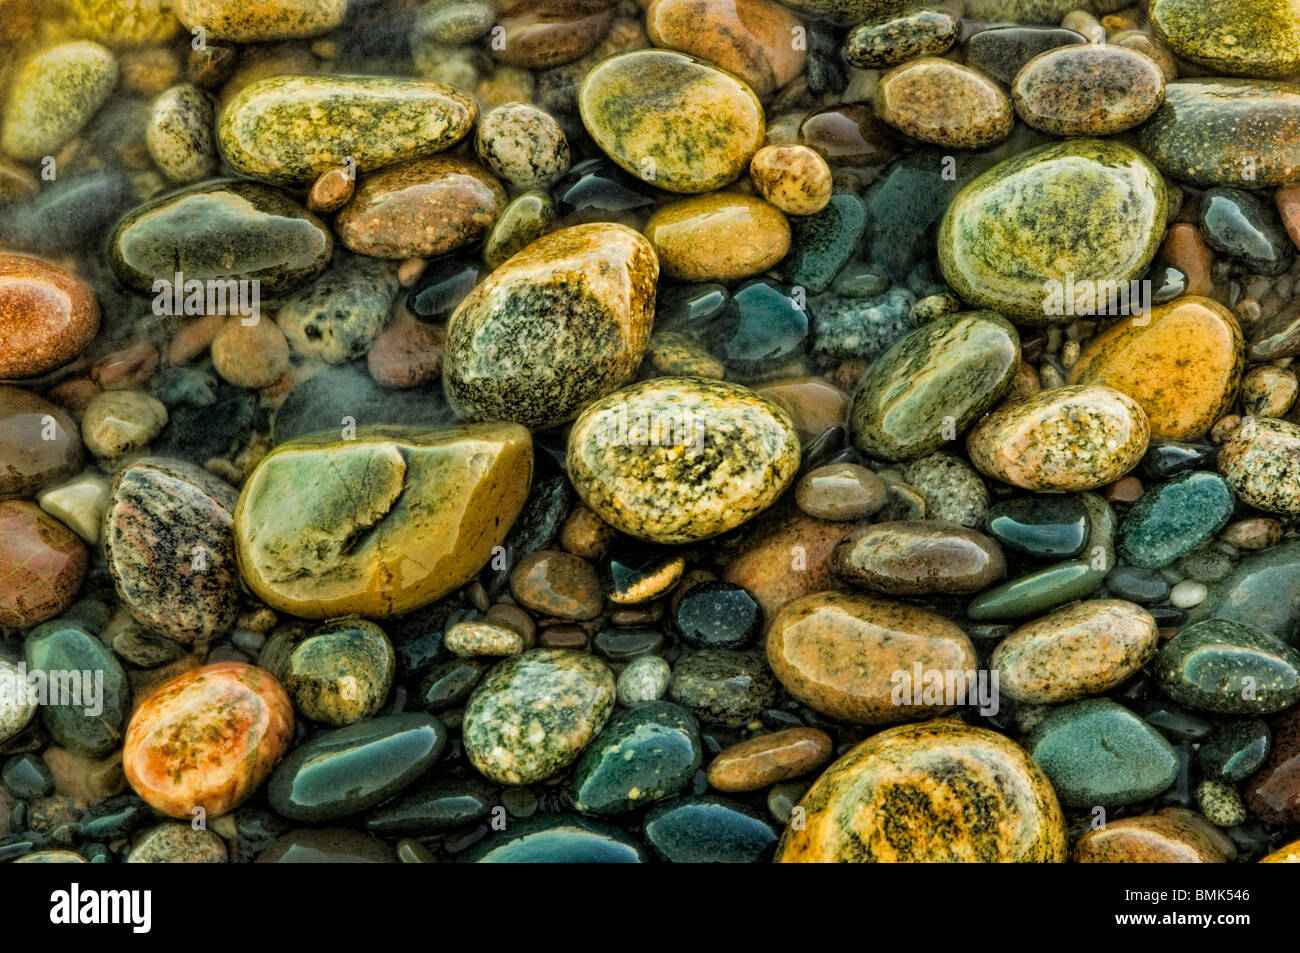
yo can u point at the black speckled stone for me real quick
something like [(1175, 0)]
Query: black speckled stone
[(718, 615), (723, 687), (1205, 665), (708, 829)]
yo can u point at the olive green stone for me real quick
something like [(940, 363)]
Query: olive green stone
[(87, 696), (1084, 210), (339, 673), (1229, 668), (52, 96), (1263, 591), (533, 714), (290, 129), (644, 755), (933, 384), (722, 686), (1037, 591), (524, 220), (1232, 37)]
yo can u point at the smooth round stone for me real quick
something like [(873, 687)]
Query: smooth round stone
[(326, 846), (207, 739), (116, 422), (644, 680), (1066, 439), (919, 558), (933, 384), (1088, 90), (953, 491), (522, 145), (840, 491), (533, 714), (381, 524), (1149, 839), (1231, 38), (469, 639), (16, 709), (562, 323), (944, 103), (47, 316), (1196, 136), (171, 843), (750, 39), (26, 777), (1229, 668), (1173, 518), (1263, 591), (544, 33), (723, 687), (643, 755), (1235, 751), (420, 209), (1083, 649), (1044, 527), (718, 615), (849, 135), (42, 564), (815, 404), (557, 839), (672, 120), (338, 316), (768, 759), (1096, 752), (53, 95), (708, 829), (910, 794), (794, 178), (441, 805), (1261, 462), (634, 573), (1143, 586), (291, 129), (180, 137), (39, 443), (823, 243), (276, 20), (556, 583), (1246, 229), (887, 41), (842, 654), (1268, 391), (1182, 364), (91, 721), (718, 237), (1062, 216), (724, 454), (344, 771), (1001, 52), (764, 324), (251, 233), (340, 673), (522, 222)]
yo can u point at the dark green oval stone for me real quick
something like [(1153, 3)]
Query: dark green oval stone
[(1045, 527), (643, 755), (557, 839), (1207, 666), (708, 829), (1172, 519), (66, 650)]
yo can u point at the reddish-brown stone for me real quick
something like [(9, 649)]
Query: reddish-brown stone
[(1274, 792), (407, 353), (39, 443), (788, 556), (767, 759), (543, 33), (557, 583), (42, 564), (47, 316)]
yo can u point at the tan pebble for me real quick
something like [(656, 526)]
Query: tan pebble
[(116, 422), (840, 491), (250, 355), (794, 178), (1224, 428), (585, 534), (193, 338), (331, 191), (1268, 391), (1255, 533)]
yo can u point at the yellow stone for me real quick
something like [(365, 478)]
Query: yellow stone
[(718, 237)]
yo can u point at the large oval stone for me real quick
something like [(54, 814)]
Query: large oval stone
[(933, 384), (1088, 90), (1229, 668), (47, 316), (680, 459), (1066, 439), (207, 739), (261, 22), (86, 692), (562, 323), (935, 100), (857, 658), (52, 96), (1149, 839), (923, 557), (937, 792), (671, 119), (1083, 649), (533, 714), (557, 839), (290, 129), (42, 564), (1261, 462), (169, 547), (1172, 519), (380, 524), (643, 755), (218, 231), (748, 38), (1232, 37), (718, 237), (1028, 236), (39, 443), (1182, 364)]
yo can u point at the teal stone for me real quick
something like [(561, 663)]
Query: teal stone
[(933, 384), (1235, 751), (26, 776), (346, 771), (87, 696), (441, 805), (1096, 752), (1263, 591), (557, 839), (644, 755), (821, 244), (1230, 669), (708, 829), (1045, 527), (1173, 518), (1038, 591)]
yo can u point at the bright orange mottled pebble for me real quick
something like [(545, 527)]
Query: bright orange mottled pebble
[(47, 316), (331, 191), (718, 237), (209, 738), (796, 179), (767, 759), (750, 38), (1150, 839)]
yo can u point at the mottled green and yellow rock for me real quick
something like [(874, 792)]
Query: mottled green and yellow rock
[(1261, 462), (680, 459), (380, 524), (126, 22), (261, 21), (53, 95), (936, 792), (1063, 216), (290, 129), (1232, 37), (671, 119)]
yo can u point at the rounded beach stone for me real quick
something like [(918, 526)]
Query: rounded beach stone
[(768, 759), (718, 237), (522, 145), (944, 103), (42, 564), (919, 558), (794, 178), (1261, 462), (840, 491), (180, 134), (53, 95), (117, 422), (260, 22), (40, 444), (1088, 90), (1231, 38), (1149, 839), (47, 316), (889, 40), (340, 672)]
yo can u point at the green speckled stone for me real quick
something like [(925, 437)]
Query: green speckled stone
[(52, 96), (523, 221), (290, 129), (1263, 591), (680, 459), (557, 839), (560, 324), (1088, 208), (1261, 462), (1235, 751), (887, 41), (672, 120), (933, 384), (1232, 37), (59, 649), (1237, 132), (723, 687), (822, 243), (248, 232), (1096, 752), (533, 714), (1173, 518), (1206, 665), (644, 755), (707, 829), (347, 770), (1037, 591), (340, 672)]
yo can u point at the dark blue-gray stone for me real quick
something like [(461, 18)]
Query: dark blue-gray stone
[(557, 839), (708, 829), (822, 243), (643, 755)]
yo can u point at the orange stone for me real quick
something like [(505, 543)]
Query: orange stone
[(718, 237), (42, 564), (47, 317), (1186, 250), (751, 38), (1150, 839), (208, 738), (767, 759)]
